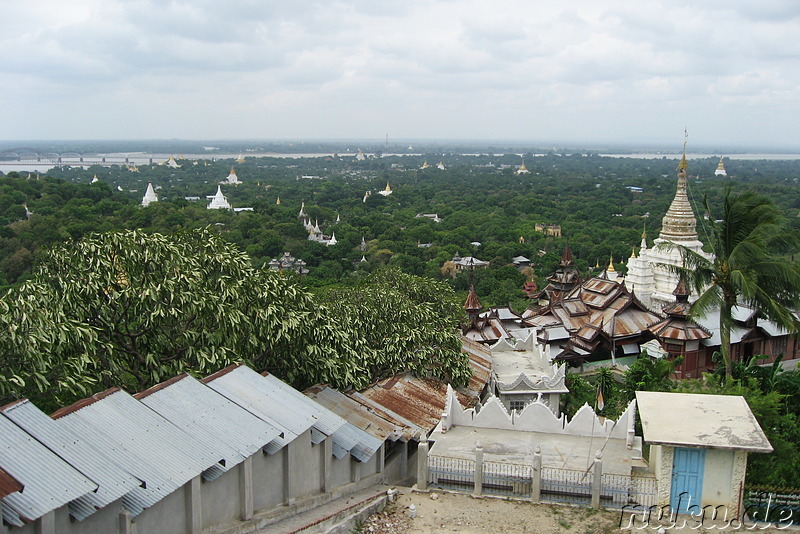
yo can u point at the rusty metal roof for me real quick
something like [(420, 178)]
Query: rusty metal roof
[(354, 412), (9, 484), (413, 404), (480, 361), (679, 329)]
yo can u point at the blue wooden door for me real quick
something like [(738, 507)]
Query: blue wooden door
[(687, 479)]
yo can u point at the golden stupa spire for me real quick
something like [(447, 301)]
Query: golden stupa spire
[(610, 268), (682, 165)]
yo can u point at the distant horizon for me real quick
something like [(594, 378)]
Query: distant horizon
[(419, 144)]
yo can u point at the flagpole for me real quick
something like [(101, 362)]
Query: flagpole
[(598, 401)]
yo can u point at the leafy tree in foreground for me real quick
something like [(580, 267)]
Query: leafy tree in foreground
[(407, 323), (745, 268), (132, 309)]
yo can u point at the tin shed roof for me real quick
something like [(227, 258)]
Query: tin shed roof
[(354, 412), (414, 404), (143, 442), (210, 418), (49, 481), (113, 481), (246, 388)]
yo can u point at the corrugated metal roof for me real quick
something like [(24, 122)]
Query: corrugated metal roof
[(9, 484), (679, 329), (245, 387), (325, 420), (345, 435), (364, 445), (49, 481), (282, 402), (8, 515), (480, 361), (210, 418), (112, 480), (413, 403), (354, 412), (142, 442)]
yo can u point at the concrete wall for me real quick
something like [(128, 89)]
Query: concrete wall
[(305, 466), (267, 480), (296, 472), (536, 417), (167, 516), (717, 474), (104, 520), (221, 498), (341, 471)]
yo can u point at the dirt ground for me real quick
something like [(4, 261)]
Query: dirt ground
[(445, 512)]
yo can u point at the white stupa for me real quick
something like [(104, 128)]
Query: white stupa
[(232, 179), (218, 201), (386, 192), (149, 195), (720, 169), (649, 275)]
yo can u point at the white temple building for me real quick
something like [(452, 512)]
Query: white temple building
[(232, 179), (149, 195), (649, 276), (218, 201)]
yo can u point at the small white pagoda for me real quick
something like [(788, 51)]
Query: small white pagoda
[(149, 195), (232, 179), (218, 201), (386, 192)]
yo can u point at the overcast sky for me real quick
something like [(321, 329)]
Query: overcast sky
[(603, 71)]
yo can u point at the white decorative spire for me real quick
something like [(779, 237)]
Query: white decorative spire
[(679, 223), (219, 202), (149, 195), (232, 178)]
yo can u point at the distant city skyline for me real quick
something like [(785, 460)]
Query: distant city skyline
[(613, 73)]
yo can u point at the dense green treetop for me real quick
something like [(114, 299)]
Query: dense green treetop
[(133, 308), (480, 198)]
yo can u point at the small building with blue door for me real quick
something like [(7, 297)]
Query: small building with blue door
[(698, 448)]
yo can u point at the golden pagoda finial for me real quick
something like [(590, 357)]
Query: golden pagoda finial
[(644, 231), (610, 268), (682, 165), (633, 252), (278, 201)]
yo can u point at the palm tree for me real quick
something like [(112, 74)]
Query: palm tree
[(745, 268)]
